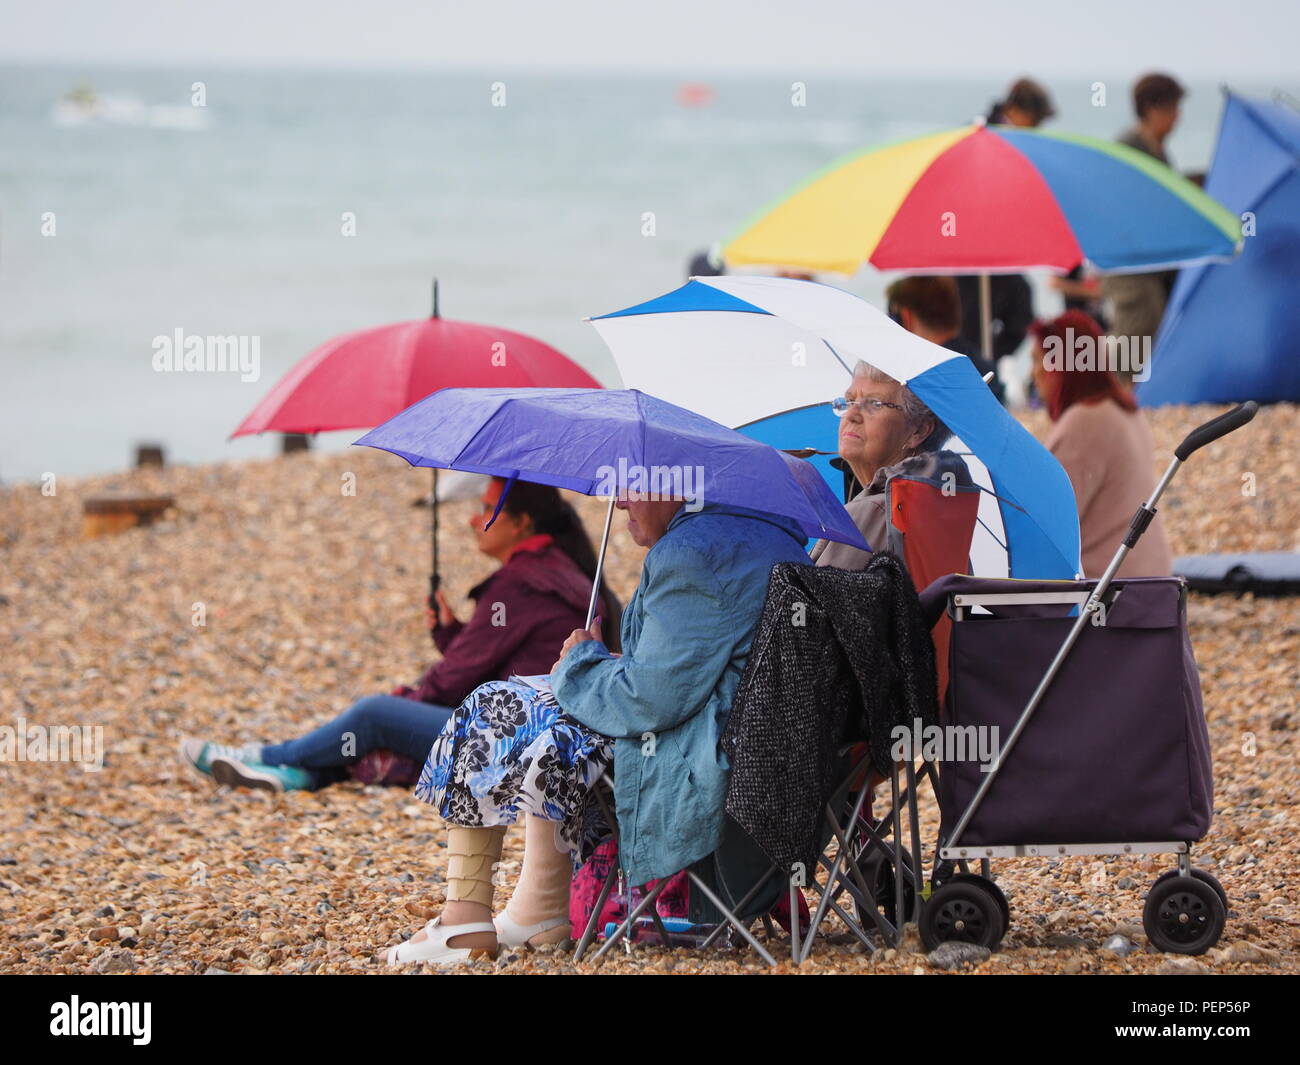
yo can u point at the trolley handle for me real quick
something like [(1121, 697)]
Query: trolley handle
[(1215, 428)]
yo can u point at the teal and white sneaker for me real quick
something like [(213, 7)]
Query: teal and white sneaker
[(237, 773), (198, 754)]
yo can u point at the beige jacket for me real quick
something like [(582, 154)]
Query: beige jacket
[(1110, 457)]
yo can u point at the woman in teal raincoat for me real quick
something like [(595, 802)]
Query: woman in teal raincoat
[(538, 746)]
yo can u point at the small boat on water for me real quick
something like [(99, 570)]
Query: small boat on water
[(83, 105)]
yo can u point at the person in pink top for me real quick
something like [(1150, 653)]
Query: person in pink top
[(1101, 438)]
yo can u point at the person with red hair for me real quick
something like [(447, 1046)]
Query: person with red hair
[(1103, 441)]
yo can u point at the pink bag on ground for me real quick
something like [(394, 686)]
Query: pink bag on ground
[(587, 882), (386, 768)]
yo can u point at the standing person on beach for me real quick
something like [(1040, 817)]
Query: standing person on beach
[(524, 613), (1026, 105), (931, 307), (1157, 101), (1136, 302)]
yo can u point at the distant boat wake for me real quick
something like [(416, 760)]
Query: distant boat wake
[(85, 107)]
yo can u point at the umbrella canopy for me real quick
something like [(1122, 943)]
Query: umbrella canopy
[(605, 441), (1233, 332), (990, 199), (813, 433), (362, 379), (807, 432), (740, 349)]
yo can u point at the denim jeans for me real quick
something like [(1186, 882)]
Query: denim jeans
[(377, 722)]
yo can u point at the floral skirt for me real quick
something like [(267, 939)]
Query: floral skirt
[(509, 749)]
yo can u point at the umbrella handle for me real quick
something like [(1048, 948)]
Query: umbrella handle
[(435, 578), (986, 318), (600, 563)]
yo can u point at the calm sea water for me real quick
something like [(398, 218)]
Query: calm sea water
[(228, 221)]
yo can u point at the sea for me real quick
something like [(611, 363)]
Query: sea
[(291, 206)]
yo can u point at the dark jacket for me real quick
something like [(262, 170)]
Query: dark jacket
[(839, 657), (1012, 312), (524, 613)]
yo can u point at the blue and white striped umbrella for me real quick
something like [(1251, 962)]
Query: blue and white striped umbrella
[(741, 349)]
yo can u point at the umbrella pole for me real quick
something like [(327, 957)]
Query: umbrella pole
[(600, 562), (986, 320), (434, 577)]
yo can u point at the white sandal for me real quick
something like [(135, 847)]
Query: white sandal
[(434, 945), (511, 933)]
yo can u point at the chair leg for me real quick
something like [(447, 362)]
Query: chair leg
[(593, 921), (896, 816), (825, 900), (914, 817), (659, 926), (732, 918), (712, 936), (795, 952), (888, 839), (831, 892), (626, 927)]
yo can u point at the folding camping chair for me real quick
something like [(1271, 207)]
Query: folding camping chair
[(932, 525), (737, 916)]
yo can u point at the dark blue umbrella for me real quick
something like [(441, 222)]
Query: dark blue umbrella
[(1229, 332), (611, 442)]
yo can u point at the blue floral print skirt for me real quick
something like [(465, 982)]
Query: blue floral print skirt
[(509, 749)]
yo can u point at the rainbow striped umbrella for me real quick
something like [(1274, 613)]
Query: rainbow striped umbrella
[(990, 199)]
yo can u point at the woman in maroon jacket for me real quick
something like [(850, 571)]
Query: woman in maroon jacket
[(524, 612)]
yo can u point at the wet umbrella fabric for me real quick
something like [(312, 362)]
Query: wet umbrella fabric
[(740, 349), (610, 442), (362, 379)]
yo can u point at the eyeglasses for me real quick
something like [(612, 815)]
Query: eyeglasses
[(870, 405)]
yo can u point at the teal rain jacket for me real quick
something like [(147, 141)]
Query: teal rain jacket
[(686, 638)]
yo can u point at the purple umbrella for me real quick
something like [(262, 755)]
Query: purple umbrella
[(610, 442)]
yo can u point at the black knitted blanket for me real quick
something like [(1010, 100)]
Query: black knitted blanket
[(839, 657)]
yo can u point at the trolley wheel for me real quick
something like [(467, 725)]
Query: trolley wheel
[(1183, 915), (1201, 874), (878, 871), (965, 911), (992, 888), (885, 894)]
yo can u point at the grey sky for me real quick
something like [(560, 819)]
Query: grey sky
[(1196, 39)]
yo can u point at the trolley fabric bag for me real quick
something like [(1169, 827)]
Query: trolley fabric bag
[(1117, 752)]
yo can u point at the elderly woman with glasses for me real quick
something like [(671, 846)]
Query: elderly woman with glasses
[(885, 430)]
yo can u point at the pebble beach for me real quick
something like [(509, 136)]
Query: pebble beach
[(269, 598)]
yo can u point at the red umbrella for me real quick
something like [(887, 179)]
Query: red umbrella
[(360, 380)]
